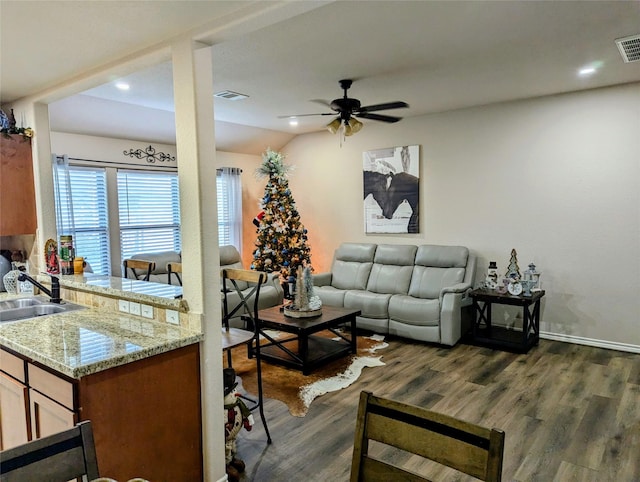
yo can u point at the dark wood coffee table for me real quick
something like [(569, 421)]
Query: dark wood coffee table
[(305, 350)]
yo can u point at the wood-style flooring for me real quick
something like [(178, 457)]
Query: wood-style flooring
[(570, 413)]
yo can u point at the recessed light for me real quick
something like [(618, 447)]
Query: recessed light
[(293, 121), (590, 68), (122, 85)]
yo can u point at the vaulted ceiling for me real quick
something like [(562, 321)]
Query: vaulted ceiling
[(289, 56)]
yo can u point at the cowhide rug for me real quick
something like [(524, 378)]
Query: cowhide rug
[(297, 390)]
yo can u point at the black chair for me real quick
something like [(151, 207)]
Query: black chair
[(463, 446), (140, 268), (233, 282), (174, 269), (59, 457)]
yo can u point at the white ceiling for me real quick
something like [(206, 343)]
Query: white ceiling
[(287, 56)]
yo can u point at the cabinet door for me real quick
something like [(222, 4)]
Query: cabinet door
[(47, 416), (17, 191), (15, 428)]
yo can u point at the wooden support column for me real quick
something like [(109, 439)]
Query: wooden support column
[(195, 143)]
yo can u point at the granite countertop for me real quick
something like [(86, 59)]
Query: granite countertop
[(157, 294), (79, 343)]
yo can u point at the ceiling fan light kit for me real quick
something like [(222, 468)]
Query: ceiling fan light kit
[(334, 125), (348, 109)]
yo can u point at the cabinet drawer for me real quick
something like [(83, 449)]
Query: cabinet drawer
[(50, 385), (12, 365)]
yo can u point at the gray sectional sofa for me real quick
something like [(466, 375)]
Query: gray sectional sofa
[(416, 292)]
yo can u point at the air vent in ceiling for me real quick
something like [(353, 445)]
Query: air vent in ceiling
[(629, 48), (230, 95)]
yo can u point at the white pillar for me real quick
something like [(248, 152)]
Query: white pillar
[(195, 143)]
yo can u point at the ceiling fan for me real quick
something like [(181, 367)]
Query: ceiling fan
[(348, 109)]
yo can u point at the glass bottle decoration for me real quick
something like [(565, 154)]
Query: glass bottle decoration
[(532, 275)]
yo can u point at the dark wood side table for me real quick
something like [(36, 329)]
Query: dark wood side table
[(485, 334)]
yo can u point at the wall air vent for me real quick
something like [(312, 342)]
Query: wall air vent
[(230, 95), (629, 48)]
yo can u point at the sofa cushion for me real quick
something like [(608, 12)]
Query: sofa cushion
[(329, 295), (437, 267), (352, 265), (392, 269), (442, 256), (428, 282), (414, 311), (371, 305), (398, 254)]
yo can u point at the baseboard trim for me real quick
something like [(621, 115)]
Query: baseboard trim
[(579, 340)]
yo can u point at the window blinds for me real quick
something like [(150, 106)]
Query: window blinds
[(84, 201), (149, 212)]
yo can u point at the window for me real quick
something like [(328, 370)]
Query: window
[(229, 197), (149, 212), (81, 208)]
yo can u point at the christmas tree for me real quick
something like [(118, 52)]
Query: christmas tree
[(282, 239), (513, 271)]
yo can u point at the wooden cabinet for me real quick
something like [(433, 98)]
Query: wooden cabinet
[(146, 415), (48, 416), (17, 191), (15, 420), (14, 413)]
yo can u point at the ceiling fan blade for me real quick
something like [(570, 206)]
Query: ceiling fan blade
[(379, 117), (388, 105), (303, 115), (323, 102)]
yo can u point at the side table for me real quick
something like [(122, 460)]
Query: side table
[(485, 334)]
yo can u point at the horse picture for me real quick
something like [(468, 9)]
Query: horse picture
[(391, 190)]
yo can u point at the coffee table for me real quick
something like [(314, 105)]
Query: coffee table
[(305, 350)]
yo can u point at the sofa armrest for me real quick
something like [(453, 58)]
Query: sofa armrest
[(322, 279), (457, 288), (451, 304)]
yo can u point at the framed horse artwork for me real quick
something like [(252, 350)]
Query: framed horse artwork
[(391, 184)]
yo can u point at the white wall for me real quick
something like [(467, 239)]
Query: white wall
[(556, 178)]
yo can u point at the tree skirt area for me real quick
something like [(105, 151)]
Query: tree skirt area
[(297, 390)]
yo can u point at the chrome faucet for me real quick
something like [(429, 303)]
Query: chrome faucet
[(54, 294)]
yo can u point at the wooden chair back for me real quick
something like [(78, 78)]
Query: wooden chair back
[(248, 305), (174, 269), (463, 446), (59, 457), (140, 268), (234, 337)]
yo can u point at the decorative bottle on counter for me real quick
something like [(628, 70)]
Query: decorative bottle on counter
[(66, 254)]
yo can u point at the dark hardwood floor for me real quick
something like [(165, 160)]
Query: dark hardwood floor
[(570, 413)]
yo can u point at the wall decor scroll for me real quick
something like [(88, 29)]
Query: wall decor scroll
[(150, 155)]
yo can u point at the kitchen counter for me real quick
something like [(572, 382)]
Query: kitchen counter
[(87, 341), (156, 294)]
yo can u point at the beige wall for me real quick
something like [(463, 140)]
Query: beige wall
[(556, 178)]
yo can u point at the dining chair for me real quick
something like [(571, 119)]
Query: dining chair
[(140, 268), (234, 287), (58, 457), (463, 446), (176, 270)]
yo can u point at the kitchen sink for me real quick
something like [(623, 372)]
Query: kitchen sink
[(23, 308)]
